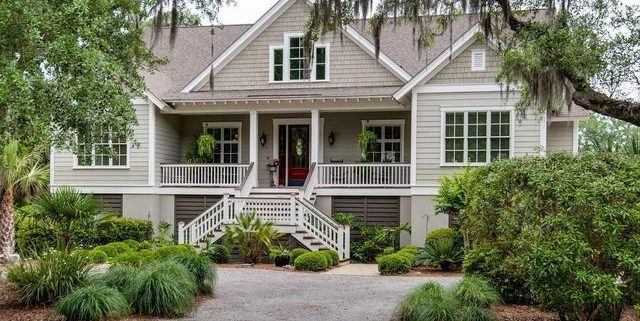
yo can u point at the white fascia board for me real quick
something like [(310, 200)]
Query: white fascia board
[(438, 63), (156, 101), (239, 44), (367, 46)]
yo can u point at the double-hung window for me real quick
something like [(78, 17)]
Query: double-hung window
[(288, 61), (476, 136), (106, 151), (227, 137), (389, 145)]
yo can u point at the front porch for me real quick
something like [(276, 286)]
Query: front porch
[(314, 150)]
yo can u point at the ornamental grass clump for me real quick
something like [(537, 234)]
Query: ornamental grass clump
[(92, 303), (163, 288), (200, 267), (49, 277), (469, 300), (118, 277)]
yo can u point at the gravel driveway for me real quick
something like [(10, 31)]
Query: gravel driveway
[(258, 294)]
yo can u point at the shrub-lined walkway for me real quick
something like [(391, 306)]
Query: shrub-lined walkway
[(260, 294)]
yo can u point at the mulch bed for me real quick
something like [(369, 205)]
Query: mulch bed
[(531, 313), (429, 271)]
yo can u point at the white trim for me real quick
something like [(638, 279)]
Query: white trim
[(272, 66), (101, 167), (437, 64), (363, 191), (314, 137), (414, 138), (483, 52), (466, 110), (52, 162), (253, 137), (286, 62), (240, 43), (576, 141), (296, 121), (228, 124), (388, 122), (543, 134), (424, 190), (152, 146), (384, 60), (156, 100), (437, 89), (327, 62)]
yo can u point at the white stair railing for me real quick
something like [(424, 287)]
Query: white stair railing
[(203, 225), (333, 235)]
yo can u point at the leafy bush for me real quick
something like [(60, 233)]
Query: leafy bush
[(135, 258), (441, 233), (346, 219), (410, 254), (114, 249), (163, 288), (217, 253), (335, 257), (118, 277), (53, 275), (169, 250), (93, 256), (201, 268), (251, 236), (327, 256), (297, 252), (35, 236), (444, 253), (92, 303), (565, 226), (374, 240), (469, 300), (133, 244), (395, 263), (312, 261), (121, 229)]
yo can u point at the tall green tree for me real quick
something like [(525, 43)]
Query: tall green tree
[(69, 67), (20, 172), (582, 51), (604, 134)]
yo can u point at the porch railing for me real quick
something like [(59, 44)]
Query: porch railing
[(364, 175), (218, 175)]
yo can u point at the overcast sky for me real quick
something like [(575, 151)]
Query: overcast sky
[(248, 11)]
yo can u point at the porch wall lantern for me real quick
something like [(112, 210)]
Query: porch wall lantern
[(332, 138), (263, 139)]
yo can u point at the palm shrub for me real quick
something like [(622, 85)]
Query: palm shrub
[(119, 277), (252, 236), (21, 172), (201, 268), (444, 253), (67, 210), (92, 303), (163, 288), (51, 276)]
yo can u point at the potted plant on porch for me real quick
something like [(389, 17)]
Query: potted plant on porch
[(280, 254)]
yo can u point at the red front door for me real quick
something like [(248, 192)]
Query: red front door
[(298, 162)]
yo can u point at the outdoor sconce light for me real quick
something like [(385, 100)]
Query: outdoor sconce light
[(332, 138), (263, 139)]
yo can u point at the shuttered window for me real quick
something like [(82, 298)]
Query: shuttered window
[(478, 60)]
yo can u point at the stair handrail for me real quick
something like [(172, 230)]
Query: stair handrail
[(245, 189), (310, 182), (332, 234), (203, 224)]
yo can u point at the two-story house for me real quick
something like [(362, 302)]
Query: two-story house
[(433, 113)]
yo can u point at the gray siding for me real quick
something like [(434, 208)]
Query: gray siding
[(349, 64), (560, 136), (168, 149), (428, 169), (135, 175), (383, 211), (458, 71)]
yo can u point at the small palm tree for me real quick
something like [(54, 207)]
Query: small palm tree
[(252, 236), (66, 209), (21, 172)]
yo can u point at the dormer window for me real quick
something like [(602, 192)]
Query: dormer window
[(478, 60), (287, 62)]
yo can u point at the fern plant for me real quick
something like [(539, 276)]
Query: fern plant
[(366, 142), (444, 253)]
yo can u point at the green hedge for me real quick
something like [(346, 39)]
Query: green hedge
[(441, 233), (332, 256), (121, 229), (396, 263), (297, 252), (312, 261), (218, 253), (114, 249)]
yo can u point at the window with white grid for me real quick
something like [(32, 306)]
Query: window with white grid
[(476, 137), (107, 150), (389, 145), (227, 137)]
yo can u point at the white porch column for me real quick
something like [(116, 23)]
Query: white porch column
[(315, 136), (253, 145)]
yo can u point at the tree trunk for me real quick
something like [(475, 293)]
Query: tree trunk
[(7, 235)]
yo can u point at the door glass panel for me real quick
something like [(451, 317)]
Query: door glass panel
[(299, 146)]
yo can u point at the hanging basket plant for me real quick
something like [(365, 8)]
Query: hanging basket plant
[(366, 142), (203, 149)]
